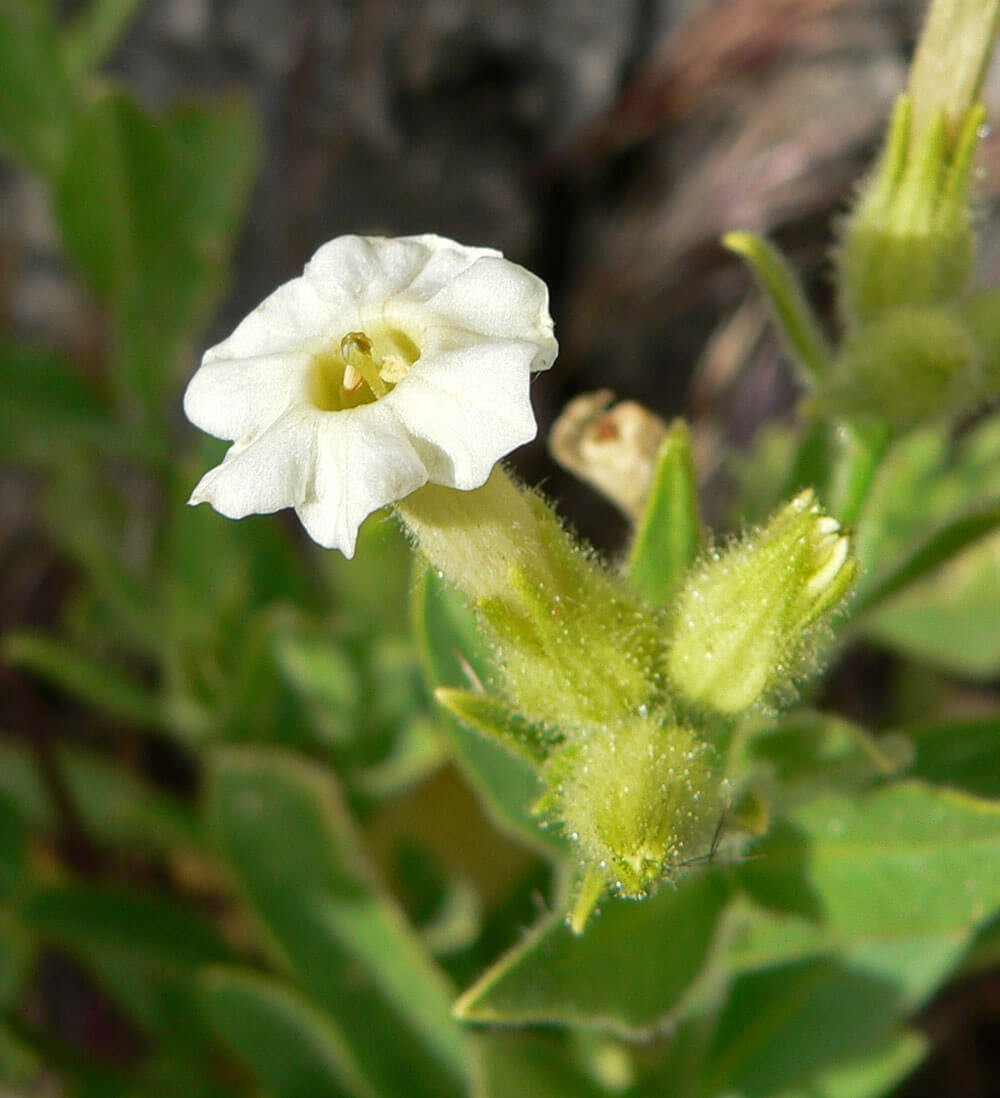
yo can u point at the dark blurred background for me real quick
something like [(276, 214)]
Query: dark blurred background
[(605, 144)]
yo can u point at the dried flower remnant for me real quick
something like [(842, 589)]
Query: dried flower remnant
[(611, 446), (389, 364)]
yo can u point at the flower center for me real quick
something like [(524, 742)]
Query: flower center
[(362, 368)]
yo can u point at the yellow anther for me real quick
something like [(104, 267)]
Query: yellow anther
[(393, 368), (352, 379)]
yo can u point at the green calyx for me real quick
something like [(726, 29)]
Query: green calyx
[(917, 342), (912, 352), (744, 620), (910, 366), (580, 656), (624, 708), (642, 800), (909, 241)]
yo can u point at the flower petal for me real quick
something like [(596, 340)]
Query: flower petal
[(292, 317), (238, 398), (477, 326), (466, 409), (359, 271), (364, 462), (263, 476), (496, 298), (445, 260)]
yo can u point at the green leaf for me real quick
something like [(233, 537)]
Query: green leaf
[(13, 837), (374, 586), (942, 546), (235, 564), (117, 807), (861, 448), (902, 863), (92, 681), (254, 703), (148, 209), (454, 649), (95, 32), (16, 955), (283, 828), (809, 754), (217, 149), (633, 968), (924, 482), (784, 1026), (529, 1065), (984, 953), (790, 310), (318, 668), (292, 1049), (18, 1064), (494, 718), (811, 465), (417, 751), (455, 655), (868, 905), (915, 467), (187, 237), (138, 931), (46, 406), (37, 100), (223, 632), (85, 1075), (145, 950), (118, 174), (963, 754), (871, 1076), (945, 620), (93, 517), (669, 533), (781, 460)]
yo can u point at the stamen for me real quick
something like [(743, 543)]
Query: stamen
[(352, 379), (356, 350), (393, 368)]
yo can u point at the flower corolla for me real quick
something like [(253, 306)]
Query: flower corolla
[(388, 364)]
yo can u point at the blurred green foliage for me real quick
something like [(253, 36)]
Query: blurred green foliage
[(299, 910)]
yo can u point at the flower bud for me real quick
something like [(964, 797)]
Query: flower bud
[(909, 239), (980, 316), (950, 64), (640, 799), (745, 616), (910, 366)]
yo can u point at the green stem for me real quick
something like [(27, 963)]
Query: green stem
[(863, 450)]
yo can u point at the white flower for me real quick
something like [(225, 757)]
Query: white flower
[(388, 364)]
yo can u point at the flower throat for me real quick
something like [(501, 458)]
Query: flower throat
[(361, 370)]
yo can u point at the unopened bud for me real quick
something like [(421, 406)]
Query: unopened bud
[(909, 239), (745, 616), (909, 367)]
